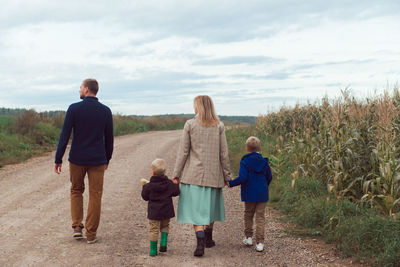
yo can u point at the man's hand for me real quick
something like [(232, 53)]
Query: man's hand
[(175, 180), (106, 167), (57, 168), (226, 183)]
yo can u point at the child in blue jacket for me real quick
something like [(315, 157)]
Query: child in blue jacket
[(254, 177)]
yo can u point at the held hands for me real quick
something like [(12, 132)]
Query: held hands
[(176, 180)]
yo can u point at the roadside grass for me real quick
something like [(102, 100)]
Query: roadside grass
[(357, 229), (5, 121), (24, 133), (29, 133), (16, 147), (12, 149)]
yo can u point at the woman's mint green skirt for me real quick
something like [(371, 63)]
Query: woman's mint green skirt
[(200, 205)]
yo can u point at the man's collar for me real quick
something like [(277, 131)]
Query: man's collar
[(91, 98)]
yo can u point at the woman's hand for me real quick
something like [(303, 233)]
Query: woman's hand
[(176, 180), (226, 183)]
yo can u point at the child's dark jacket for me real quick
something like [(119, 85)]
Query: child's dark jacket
[(254, 177), (159, 193)]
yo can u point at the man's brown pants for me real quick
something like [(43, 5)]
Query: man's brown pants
[(251, 208), (96, 178)]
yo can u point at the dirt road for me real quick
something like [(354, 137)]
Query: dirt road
[(35, 219)]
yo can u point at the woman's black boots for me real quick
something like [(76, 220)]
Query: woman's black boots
[(208, 238), (200, 244)]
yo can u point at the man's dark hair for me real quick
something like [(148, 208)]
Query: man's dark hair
[(92, 85)]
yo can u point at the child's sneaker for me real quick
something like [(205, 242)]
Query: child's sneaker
[(260, 247), (248, 241)]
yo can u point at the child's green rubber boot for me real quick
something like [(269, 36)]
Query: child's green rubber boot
[(153, 248), (163, 242)]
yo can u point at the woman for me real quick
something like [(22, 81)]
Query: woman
[(202, 168)]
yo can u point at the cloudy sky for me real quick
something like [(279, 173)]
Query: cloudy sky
[(154, 57)]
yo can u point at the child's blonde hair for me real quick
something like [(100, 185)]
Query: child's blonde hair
[(159, 166), (253, 144)]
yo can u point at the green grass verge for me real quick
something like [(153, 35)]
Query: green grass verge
[(30, 133), (5, 121), (358, 231), (12, 149)]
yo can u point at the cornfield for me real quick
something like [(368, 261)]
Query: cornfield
[(351, 145)]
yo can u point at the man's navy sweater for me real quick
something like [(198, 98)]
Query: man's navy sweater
[(93, 139)]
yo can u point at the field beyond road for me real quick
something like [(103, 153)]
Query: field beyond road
[(35, 219)]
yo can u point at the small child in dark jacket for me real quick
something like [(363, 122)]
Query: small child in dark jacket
[(254, 177), (159, 192)]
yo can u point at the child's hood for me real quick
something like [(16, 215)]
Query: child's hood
[(255, 161), (159, 183)]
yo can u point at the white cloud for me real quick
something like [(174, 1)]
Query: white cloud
[(258, 54)]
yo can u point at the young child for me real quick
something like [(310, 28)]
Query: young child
[(159, 192), (254, 178)]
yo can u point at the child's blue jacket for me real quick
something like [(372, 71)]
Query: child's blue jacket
[(254, 178)]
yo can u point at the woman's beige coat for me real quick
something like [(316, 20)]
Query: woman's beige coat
[(202, 157)]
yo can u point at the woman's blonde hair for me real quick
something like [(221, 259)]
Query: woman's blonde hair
[(205, 111)]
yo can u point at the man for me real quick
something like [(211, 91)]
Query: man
[(91, 150)]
